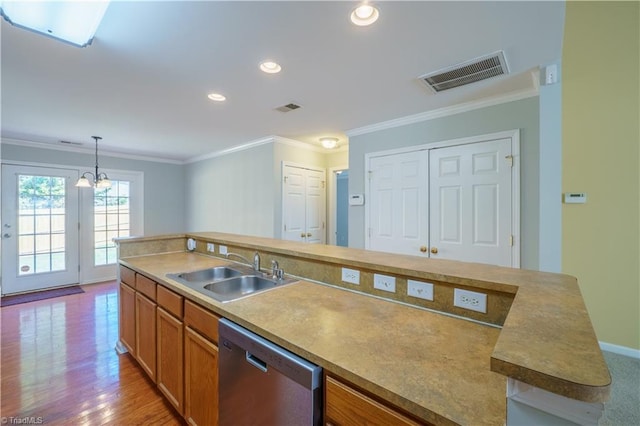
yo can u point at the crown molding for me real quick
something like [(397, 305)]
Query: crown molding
[(91, 151), (443, 112), (237, 148)]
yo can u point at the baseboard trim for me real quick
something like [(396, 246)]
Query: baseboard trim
[(620, 350)]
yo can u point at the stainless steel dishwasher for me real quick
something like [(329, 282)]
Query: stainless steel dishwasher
[(263, 384)]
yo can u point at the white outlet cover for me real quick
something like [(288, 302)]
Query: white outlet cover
[(351, 276), (471, 300), (222, 249), (420, 289), (384, 282), (211, 247)]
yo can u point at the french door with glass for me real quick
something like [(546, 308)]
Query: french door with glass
[(39, 228)]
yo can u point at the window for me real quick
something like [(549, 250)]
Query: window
[(112, 218), (41, 224)]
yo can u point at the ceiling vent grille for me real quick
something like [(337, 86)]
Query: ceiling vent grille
[(288, 107), (468, 72), (70, 143)]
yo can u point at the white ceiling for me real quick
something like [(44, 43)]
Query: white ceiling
[(143, 83)]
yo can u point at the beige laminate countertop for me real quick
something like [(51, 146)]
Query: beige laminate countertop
[(433, 366), (440, 368)]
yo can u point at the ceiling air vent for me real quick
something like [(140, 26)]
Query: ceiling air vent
[(288, 107), (467, 72), (70, 143)]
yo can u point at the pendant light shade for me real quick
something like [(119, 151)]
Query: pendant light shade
[(98, 180)]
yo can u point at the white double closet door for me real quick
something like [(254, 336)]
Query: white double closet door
[(303, 207), (452, 202)]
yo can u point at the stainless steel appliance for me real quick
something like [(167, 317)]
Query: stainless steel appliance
[(263, 384)]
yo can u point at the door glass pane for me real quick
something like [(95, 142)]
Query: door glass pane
[(41, 211), (111, 220)]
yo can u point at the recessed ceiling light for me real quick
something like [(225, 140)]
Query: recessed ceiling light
[(329, 143), (364, 15), (216, 97), (270, 67)]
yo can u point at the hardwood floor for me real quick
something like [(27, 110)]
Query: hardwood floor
[(58, 365)]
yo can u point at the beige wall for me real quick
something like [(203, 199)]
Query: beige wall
[(601, 134)]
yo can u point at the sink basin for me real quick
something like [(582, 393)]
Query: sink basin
[(245, 285), (207, 275), (225, 283)]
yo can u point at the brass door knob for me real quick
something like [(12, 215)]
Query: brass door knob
[(423, 249), (302, 235), (308, 234), (434, 250)]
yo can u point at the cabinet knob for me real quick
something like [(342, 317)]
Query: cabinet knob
[(434, 250), (308, 234), (302, 235), (423, 249)]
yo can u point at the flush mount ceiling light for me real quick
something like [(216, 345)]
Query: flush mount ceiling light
[(329, 143), (216, 97), (364, 15), (98, 180), (270, 67), (74, 22)]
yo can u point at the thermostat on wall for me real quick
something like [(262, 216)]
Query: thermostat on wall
[(356, 199), (575, 197)]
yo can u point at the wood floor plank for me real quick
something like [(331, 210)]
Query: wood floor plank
[(58, 363)]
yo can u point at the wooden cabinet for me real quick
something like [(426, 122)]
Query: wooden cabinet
[(127, 305), (200, 365), (170, 344), (345, 405), (146, 334)]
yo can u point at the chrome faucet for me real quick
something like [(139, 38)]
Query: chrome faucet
[(256, 259), (276, 271)]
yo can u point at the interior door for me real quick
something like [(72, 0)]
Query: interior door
[(39, 228), (398, 220), (470, 202), (303, 205)]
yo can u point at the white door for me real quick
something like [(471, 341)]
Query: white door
[(39, 228), (470, 202), (303, 207), (398, 220)]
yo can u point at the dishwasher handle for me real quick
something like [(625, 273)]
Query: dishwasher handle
[(256, 362)]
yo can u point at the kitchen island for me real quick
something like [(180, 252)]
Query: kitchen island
[(430, 359)]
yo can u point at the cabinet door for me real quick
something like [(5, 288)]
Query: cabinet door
[(170, 363), (347, 406), (146, 335), (128, 318), (201, 379)]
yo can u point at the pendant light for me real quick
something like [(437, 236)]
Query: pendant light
[(99, 180)]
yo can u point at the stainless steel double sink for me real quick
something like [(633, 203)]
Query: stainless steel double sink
[(228, 283)]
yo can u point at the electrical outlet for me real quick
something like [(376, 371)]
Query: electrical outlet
[(420, 290), (384, 282), (351, 276), (222, 249), (211, 247), (470, 300)]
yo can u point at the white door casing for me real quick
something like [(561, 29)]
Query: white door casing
[(40, 242), (303, 204)]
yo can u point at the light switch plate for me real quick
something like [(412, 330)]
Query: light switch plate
[(211, 247), (222, 249)]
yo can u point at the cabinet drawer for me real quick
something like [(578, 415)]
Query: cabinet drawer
[(202, 320), (170, 301), (146, 286), (347, 406), (127, 276)]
